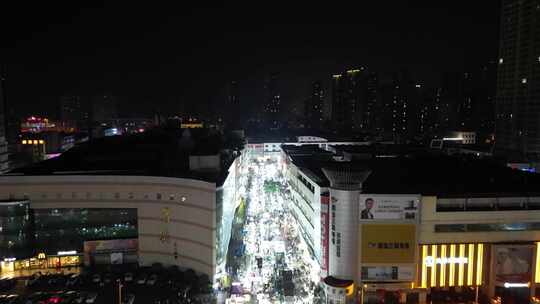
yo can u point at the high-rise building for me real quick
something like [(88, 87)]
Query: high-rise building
[(74, 112), (400, 109), (273, 103), (369, 114), (104, 108), (232, 111), (348, 100), (518, 78), (3, 124), (314, 107)]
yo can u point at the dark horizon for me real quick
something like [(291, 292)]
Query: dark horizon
[(182, 58)]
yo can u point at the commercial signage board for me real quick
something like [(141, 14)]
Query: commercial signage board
[(387, 273), (389, 244), (513, 263), (375, 207), (325, 233)]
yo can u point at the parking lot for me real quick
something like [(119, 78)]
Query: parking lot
[(137, 285)]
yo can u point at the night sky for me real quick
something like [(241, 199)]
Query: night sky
[(180, 57)]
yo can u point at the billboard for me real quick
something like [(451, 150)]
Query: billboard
[(388, 207), (383, 243), (513, 263), (109, 247), (325, 233), (388, 273)]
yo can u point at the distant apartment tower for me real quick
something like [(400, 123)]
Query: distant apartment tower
[(104, 108), (73, 112), (354, 98), (314, 107), (3, 123), (401, 107), (273, 103), (346, 94), (232, 110), (518, 78)]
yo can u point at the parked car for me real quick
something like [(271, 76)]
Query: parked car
[(128, 277), (69, 296), (13, 298), (81, 297), (33, 280), (73, 280), (96, 278), (152, 280), (107, 278), (128, 299), (91, 298), (142, 279)]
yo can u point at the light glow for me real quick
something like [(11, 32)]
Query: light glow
[(424, 267), (69, 252), (434, 269), (479, 262), (452, 138), (461, 268), (470, 276), (537, 272), (452, 270), (442, 280), (423, 284), (516, 285), (431, 261)]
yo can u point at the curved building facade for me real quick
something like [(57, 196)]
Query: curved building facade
[(172, 219)]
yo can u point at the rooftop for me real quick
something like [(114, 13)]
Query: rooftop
[(156, 152), (429, 174)]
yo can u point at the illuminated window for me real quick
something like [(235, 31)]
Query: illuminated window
[(501, 60), (24, 142)]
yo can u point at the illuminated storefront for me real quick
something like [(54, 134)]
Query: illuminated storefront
[(42, 261), (451, 265)]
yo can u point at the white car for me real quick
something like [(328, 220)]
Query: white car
[(91, 298)]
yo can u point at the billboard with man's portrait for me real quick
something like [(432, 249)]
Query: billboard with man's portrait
[(389, 207)]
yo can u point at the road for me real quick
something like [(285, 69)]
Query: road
[(276, 265)]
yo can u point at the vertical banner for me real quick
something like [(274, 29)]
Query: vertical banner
[(325, 200)]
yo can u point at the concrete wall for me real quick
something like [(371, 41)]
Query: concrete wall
[(430, 217), (182, 209)]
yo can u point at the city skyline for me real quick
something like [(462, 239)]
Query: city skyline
[(75, 55)]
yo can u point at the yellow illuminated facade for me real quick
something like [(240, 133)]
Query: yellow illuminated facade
[(446, 265), (537, 270)]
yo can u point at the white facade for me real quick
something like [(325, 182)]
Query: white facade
[(343, 243), (305, 202), (487, 219), (182, 210)]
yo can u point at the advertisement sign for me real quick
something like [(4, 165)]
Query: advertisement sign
[(117, 258), (108, 246), (388, 207), (513, 263), (382, 243), (387, 273), (324, 233)]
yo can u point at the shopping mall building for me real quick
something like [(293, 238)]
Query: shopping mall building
[(103, 205), (402, 225)]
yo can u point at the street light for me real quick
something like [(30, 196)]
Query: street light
[(119, 291)]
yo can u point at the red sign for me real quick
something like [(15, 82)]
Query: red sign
[(325, 202)]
